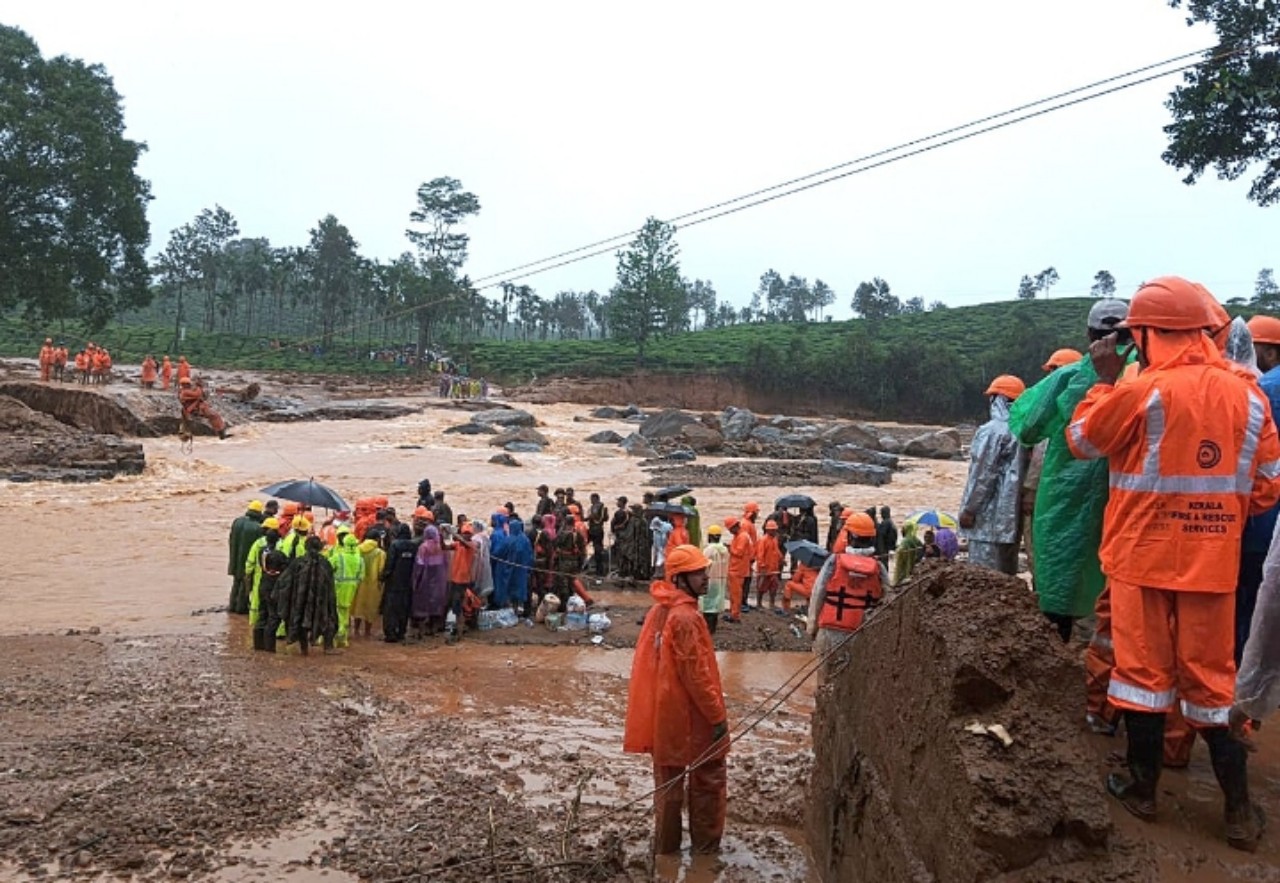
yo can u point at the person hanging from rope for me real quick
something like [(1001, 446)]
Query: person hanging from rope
[(675, 709), (192, 398)]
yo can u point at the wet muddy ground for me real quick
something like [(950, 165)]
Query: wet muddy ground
[(154, 744)]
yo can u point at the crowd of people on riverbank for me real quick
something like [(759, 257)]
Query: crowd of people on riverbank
[(415, 574)]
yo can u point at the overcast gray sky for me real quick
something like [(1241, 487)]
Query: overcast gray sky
[(575, 121)]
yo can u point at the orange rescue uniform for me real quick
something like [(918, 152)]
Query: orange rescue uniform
[(801, 583), (739, 569), (1192, 451), (674, 702), (166, 373)]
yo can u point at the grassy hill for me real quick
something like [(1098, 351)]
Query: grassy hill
[(932, 365)]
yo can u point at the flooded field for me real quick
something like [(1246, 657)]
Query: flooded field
[(151, 742)]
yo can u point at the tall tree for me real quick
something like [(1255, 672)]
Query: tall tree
[(213, 229), (1026, 288), (1104, 284), (702, 299), (874, 300), (179, 267), (334, 266), (442, 247), (823, 297), (797, 299), (649, 295), (1226, 113), (771, 292), (73, 222), (1045, 280), (1266, 293)]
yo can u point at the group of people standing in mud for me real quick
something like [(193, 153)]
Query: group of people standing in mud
[(433, 569), (90, 365), (1143, 477)]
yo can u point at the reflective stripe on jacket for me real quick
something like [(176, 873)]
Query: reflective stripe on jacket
[(1192, 451)]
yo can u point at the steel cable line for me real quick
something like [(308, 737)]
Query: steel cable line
[(877, 154), (884, 157)]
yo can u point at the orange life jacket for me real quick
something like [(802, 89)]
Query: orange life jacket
[(851, 588)]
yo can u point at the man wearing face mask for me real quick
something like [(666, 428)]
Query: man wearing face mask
[(1191, 452), (991, 505)]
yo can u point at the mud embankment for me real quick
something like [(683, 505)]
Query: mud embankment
[(902, 790), (694, 392)]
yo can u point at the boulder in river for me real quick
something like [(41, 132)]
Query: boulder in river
[(638, 446), (856, 473), (701, 438), (504, 417), (607, 437), (855, 454), (521, 434), (737, 423), (890, 445), (769, 435), (941, 445), (666, 424), (471, 429), (504, 460), (852, 434), (521, 447)]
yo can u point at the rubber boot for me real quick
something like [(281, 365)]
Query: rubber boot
[(269, 640), (259, 639), (1137, 792), (1245, 820)]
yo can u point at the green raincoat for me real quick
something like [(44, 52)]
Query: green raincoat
[(1071, 497), (348, 570)]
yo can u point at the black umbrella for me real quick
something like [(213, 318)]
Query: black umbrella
[(676, 490), (794, 501), (309, 493), (807, 553), (667, 509)]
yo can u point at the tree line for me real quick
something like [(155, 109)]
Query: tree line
[(74, 231)]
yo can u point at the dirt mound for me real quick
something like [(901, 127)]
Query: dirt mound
[(902, 791), (39, 448)]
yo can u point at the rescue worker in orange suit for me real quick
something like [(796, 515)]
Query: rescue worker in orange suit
[(750, 514), (166, 372), (1192, 450), (60, 355), (184, 368), (768, 566), (192, 399), (675, 709), (801, 583), (46, 359), (1265, 331), (990, 510), (851, 580), (740, 554), (82, 367), (148, 373)]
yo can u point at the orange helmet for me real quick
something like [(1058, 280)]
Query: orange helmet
[(1008, 386), (421, 512), (860, 525), (1062, 357), (185, 381), (771, 525), (751, 507), (1265, 329), (731, 522), (685, 559), (1171, 303)]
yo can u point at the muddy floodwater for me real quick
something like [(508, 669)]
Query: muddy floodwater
[(145, 739)]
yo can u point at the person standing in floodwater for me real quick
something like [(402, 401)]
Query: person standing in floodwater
[(675, 709)]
